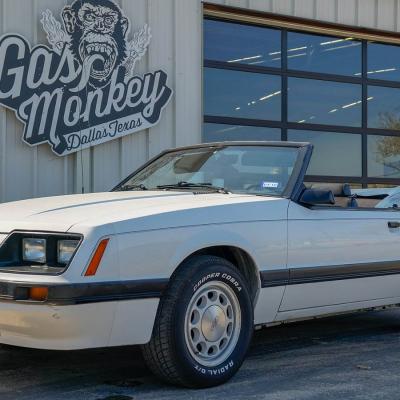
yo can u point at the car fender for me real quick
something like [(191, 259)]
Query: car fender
[(217, 236)]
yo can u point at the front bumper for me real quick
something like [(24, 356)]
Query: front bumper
[(79, 316), (62, 294), (56, 328)]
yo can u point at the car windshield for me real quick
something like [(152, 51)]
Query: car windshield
[(261, 170)]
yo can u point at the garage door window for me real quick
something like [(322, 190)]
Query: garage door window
[(335, 154), (315, 53), (340, 93), (242, 94), (224, 132)]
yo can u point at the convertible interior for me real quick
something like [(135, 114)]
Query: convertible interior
[(344, 197)]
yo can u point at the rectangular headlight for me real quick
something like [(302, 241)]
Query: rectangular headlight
[(34, 250), (65, 250)]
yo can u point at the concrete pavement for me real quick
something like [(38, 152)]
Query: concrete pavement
[(343, 357)]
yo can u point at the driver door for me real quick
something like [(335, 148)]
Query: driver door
[(341, 256)]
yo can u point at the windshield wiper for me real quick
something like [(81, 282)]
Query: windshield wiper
[(192, 185), (128, 188)]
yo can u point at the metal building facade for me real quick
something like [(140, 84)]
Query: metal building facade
[(176, 47)]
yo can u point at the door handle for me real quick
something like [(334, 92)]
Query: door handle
[(394, 224)]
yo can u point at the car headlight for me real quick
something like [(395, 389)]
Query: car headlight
[(65, 250), (34, 250), (39, 253)]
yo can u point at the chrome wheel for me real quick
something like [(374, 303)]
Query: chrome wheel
[(212, 324)]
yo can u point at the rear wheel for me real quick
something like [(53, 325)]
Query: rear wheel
[(203, 326)]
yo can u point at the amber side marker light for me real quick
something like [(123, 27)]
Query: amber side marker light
[(38, 293), (96, 259)]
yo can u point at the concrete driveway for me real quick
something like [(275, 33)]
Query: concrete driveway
[(345, 357)]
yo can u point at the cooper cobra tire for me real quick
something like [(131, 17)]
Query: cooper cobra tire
[(204, 325)]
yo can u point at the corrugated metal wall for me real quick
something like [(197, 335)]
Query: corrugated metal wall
[(176, 47)]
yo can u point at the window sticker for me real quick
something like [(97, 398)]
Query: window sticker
[(270, 185)]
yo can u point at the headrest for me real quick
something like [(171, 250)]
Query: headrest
[(338, 189)]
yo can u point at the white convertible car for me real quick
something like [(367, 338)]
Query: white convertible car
[(191, 252)]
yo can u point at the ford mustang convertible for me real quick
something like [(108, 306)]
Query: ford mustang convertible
[(189, 254)]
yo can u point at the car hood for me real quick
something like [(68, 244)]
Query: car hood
[(129, 211)]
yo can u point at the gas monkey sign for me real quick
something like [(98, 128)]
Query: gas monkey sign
[(81, 91)]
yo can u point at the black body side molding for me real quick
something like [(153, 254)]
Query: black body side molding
[(298, 276)]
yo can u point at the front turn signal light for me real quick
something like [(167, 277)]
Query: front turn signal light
[(97, 257), (38, 293)]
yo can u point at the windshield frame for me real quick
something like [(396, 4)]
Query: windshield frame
[(294, 185)]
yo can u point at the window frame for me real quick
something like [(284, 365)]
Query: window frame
[(294, 186), (365, 181)]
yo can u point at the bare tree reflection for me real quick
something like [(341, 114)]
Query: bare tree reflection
[(388, 147)]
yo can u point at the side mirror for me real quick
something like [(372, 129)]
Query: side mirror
[(314, 197)]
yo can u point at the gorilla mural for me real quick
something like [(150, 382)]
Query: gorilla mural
[(98, 32)]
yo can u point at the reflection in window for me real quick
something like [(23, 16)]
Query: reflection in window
[(222, 132), (242, 44), (335, 154), (383, 156), (324, 102), (242, 94), (383, 61), (264, 170), (381, 186), (324, 54), (383, 107), (391, 201), (237, 94)]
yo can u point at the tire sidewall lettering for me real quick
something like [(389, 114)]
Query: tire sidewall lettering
[(220, 370), (218, 276)]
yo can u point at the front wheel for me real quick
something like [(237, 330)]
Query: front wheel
[(203, 326)]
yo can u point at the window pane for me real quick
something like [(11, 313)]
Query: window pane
[(383, 61), (242, 44), (383, 156), (324, 54), (242, 94), (222, 132), (321, 102), (383, 107), (335, 154), (355, 187)]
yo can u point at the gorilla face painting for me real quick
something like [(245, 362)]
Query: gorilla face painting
[(81, 90), (98, 36)]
